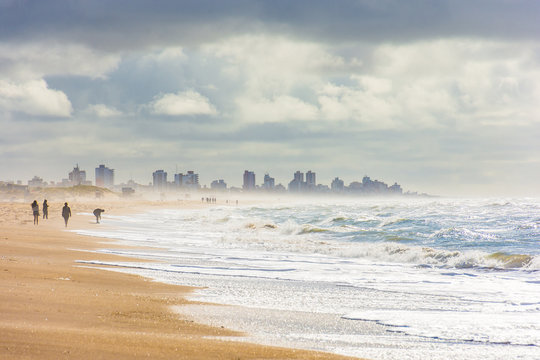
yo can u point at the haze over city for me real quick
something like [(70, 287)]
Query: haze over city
[(439, 96)]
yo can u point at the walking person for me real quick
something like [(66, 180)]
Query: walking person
[(35, 211), (66, 213), (45, 209)]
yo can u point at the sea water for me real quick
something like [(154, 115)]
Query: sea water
[(393, 278)]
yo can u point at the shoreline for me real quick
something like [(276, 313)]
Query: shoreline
[(52, 307)]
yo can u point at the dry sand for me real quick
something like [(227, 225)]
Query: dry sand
[(52, 308)]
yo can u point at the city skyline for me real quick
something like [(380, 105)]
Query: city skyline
[(440, 95), (190, 181)]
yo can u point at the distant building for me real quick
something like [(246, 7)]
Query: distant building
[(104, 177), (189, 180), (280, 188), (218, 185), (178, 178), (269, 182), (396, 189), (159, 180), (337, 185), (356, 186), (322, 188), (311, 182), (77, 176), (36, 182), (249, 180), (374, 186), (297, 183)]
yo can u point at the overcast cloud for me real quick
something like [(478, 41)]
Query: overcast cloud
[(439, 96)]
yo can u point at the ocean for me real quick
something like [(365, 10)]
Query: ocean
[(392, 278)]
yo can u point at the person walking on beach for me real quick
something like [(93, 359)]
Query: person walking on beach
[(45, 209), (97, 213), (66, 213), (35, 211)]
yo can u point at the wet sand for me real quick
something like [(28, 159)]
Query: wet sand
[(53, 308)]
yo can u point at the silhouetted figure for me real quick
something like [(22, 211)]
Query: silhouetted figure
[(97, 213), (45, 209), (35, 211), (66, 213)]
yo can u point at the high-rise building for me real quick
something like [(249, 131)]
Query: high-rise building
[(159, 180), (269, 182), (77, 176), (188, 180), (297, 184), (249, 180), (191, 180), (337, 185), (218, 185), (311, 181), (104, 176), (178, 178)]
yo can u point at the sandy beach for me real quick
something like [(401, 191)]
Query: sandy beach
[(53, 308)]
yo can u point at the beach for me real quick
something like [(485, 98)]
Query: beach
[(55, 306)]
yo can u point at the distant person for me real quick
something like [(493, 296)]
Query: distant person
[(97, 213), (66, 213), (45, 209), (35, 211)]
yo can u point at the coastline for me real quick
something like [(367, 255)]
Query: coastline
[(54, 308)]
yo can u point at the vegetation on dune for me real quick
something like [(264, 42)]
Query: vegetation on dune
[(78, 190), (58, 193)]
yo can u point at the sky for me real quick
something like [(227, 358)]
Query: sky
[(440, 96)]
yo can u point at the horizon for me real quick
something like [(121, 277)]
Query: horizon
[(170, 178), (440, 97)]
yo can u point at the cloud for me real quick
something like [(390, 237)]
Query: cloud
[(188, 102), (34, 98), (279, 109), (20, 61), (468, 83), (338, 103), (268, 65), (165, 55), (102, 111), (24, 66)]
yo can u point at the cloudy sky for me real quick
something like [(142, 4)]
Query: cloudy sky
[(439, 96)]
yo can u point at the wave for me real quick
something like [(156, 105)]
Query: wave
[(426, 256), (398, 221), (461, 233), (392, 247), (512, 260), (376, 244), (441, 234), (312, 229)]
